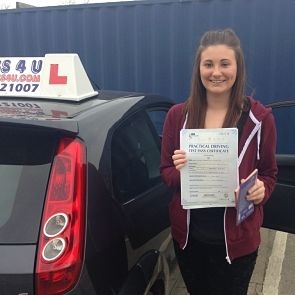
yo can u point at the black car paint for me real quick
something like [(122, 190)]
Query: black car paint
[(279, 210), (17, 269), (109, 222)]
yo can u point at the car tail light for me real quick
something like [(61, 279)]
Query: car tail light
[(62, 235)]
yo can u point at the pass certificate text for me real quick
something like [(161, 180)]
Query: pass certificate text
[(209, 177)]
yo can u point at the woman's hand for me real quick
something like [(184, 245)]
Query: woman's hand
[(179, 159), (256, 193)]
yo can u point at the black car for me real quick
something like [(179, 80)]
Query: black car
[(279, 210), (83, 209)]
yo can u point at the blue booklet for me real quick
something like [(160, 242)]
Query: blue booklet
[(244, 207)]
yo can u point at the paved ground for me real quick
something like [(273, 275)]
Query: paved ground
[(259, 274)]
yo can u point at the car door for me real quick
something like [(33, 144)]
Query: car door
[(279, 210), (137, 184)]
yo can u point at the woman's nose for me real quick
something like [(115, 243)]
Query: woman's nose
[(216, 71)]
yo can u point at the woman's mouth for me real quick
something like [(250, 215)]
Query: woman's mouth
[(217, 81)]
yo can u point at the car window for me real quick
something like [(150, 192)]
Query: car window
[(135, 154), (157, 117), (285, 122), (9, 189), (25, 161)]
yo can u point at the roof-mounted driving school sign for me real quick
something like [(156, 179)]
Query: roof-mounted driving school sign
[(55, 76)]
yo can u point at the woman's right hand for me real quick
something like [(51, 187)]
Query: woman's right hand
[(179, 159)]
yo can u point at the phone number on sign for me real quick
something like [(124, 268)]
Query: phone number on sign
[(11, 87)]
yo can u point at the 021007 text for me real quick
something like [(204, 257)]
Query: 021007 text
[(18, 87)]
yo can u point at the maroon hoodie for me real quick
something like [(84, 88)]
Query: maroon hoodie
[(257, 147)]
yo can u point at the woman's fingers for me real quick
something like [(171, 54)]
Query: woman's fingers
[(179, 159), (257, 192)]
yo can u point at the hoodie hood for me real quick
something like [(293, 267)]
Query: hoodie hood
[(258, 110)]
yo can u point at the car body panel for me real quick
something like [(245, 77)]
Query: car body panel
[(133, 217), (118, 234), (17, 263), (279, 210)]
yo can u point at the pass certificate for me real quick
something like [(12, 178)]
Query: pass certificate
[(210, 176)]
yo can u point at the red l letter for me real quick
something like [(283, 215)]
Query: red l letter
[(54, 78)]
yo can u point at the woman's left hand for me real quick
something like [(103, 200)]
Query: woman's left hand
[(256, 193)]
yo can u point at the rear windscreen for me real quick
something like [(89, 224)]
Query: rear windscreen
[(25, 160)]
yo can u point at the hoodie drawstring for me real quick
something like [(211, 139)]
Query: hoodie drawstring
[(256, 129)]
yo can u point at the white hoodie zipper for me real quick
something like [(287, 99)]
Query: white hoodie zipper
[(225, 238), (188, 213), (256, 129), (188, 217)]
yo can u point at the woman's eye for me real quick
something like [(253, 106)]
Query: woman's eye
[(207, 65)]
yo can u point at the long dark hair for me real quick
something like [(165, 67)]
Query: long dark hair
[(196, 104)]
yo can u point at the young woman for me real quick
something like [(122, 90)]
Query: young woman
[(215, 255)]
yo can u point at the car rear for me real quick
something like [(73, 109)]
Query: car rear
[(47, 124), (42, 208)]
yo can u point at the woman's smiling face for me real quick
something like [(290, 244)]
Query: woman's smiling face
[(218, 69)]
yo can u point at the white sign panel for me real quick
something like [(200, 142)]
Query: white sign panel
[(55, 76)]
